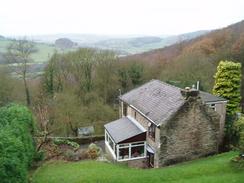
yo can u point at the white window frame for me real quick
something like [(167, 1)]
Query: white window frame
[(125, 145), (112, 150), (130, 145)]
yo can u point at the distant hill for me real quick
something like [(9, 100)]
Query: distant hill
[(65, 43), (196, 59), (123, 45), (134, 45), (78, 38), (208, 44), (140, 41)]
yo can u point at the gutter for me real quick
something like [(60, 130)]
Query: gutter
[(143, 115), (216, 102), (149, 119)]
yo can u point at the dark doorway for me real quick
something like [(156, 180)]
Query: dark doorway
[(150, 159)]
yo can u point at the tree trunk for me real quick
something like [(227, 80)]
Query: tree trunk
[(27, 93)]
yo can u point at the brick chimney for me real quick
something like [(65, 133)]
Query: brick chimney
[(189, 92)]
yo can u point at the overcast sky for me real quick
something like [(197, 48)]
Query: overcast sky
[(116, 17)]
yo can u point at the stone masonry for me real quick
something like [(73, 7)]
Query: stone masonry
[(191, 133)]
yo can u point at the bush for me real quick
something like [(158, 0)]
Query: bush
[(93, 151), (238, 162), (70, 155), (17, 147), (59, 141), (82, 154), (239, 134), (239, 130), (39, 156)]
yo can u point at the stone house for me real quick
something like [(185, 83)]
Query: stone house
[(162, 124)]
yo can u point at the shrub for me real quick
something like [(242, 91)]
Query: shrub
[(59, 141), (239, 129), (17, 147), (238, 162), (39, 156), (93, 151), (82, 154), (70, 155)]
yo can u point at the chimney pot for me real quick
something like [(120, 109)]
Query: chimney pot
[(189, 92)]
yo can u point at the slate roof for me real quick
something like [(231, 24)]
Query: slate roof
[(123, 129), (158, 100), (207, 97), (155, 99)]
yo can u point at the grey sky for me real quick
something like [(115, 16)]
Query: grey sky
[(116, 17)]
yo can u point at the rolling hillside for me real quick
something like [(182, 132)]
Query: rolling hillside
[(47, 44), (207, 44), (133, 45), (196, 59), (123, 45)]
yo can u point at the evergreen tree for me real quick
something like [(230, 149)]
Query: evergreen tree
[(228, 84)]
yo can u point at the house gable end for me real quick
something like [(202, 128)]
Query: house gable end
[(192, 132)]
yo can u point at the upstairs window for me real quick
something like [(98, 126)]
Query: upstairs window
[(135, 114), (151, 130), (212, 106), (124, 109)]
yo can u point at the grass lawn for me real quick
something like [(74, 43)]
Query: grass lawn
[(205, 170)]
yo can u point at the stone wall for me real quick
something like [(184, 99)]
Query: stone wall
[(191, 133), (138, 163), (221, 110)]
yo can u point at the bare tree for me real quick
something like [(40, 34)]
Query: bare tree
[(43, 108), (19, 54)]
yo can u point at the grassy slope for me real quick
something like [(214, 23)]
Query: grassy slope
[(211, 170)]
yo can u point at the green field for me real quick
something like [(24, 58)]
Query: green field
[(44, 51), (215, 169)]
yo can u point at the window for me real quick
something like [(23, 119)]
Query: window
[(134, 114), (212, 106), (124, 109), (123, 153), (151, 130), (137, 151), (106, 137), (131, 151), (109, 141)]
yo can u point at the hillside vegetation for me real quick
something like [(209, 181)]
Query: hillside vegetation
[(216, 169), (194, 60)]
